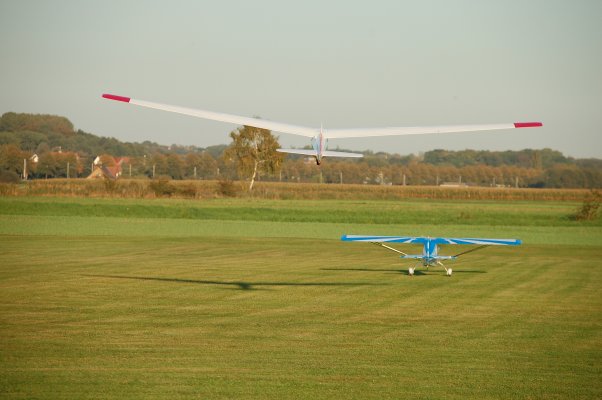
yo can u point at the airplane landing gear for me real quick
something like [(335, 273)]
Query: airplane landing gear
[(448, 271)]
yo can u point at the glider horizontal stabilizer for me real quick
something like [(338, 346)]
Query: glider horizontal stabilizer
[(329, 153), (325, 153), (298, 151)]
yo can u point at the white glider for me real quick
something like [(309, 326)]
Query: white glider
[(319, 136)]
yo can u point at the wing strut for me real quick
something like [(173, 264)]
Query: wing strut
[(471, 250), (388, 247)]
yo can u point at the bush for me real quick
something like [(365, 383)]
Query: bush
[(227, 188), (8, 189), (110, 185), (9, 177), (589, 209), (187, 190), (162, 187)]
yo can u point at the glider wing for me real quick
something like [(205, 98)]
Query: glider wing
[(419, 130), (215, 116), (312, 132)]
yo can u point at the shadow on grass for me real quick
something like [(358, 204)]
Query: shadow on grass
[(361, 269), (417, 272), (234, 284)]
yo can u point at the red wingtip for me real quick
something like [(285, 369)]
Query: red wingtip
[(527, 124), (118, 98)]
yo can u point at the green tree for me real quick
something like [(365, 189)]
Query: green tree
[(158, 163), (11, 158), (254, 151), (48, 165), (175, 166), (205, 164), (11, 121), (68, 164)]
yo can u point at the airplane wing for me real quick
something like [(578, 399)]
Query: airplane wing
[(381, 239), (215, 116), (422, 240), (478, 241), (419, 130)]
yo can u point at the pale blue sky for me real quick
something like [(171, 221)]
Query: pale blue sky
[(342, 63)]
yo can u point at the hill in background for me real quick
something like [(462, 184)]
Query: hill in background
[(55, 141)]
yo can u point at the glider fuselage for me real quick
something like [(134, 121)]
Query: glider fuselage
[(318, 143)]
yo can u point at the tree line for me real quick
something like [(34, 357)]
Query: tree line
[(65, 152)]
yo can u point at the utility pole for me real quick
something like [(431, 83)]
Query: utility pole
[(341, 176), (404, 179), (25, 169), (130, 170), (195, 172), (154, 171), (67, 169)]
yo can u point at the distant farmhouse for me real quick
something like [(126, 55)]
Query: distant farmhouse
[(112, 172)]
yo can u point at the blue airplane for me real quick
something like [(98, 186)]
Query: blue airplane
[(430, 252)]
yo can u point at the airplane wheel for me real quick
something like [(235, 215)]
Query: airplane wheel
[(410, 271), (449, 272)]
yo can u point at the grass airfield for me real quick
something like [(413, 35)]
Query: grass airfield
[(111, 298)]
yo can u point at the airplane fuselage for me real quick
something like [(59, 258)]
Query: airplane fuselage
[(430, 254)]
